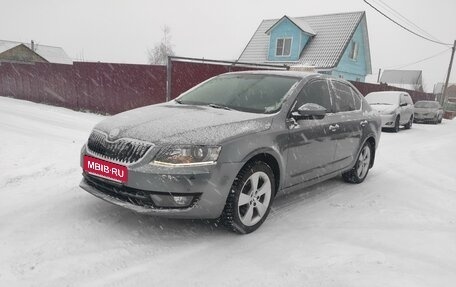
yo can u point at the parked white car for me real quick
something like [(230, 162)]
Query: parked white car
[(395, 107)]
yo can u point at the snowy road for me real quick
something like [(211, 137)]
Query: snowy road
[(398, 228)]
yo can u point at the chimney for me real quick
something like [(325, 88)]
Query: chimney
[(32, 45)]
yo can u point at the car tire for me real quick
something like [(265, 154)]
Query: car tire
[(396, 124), (440, 120), (359, 172), (250, 198), (409, 124)]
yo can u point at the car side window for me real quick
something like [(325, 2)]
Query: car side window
[(356, 98), (409, 99), (316, 92), (344, 99)]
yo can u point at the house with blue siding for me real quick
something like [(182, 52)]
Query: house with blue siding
[(334, 44)]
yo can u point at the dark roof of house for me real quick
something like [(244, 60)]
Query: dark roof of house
[(49, 53), (324, 50)]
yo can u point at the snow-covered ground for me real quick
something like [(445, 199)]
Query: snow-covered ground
[(398, 228)]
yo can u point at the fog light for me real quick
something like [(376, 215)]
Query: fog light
[(182, 200), (171, 201)]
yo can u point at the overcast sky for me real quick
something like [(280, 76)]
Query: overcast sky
[(122, 31)]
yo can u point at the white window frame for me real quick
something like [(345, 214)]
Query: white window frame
[(354, 50), (283, 46)]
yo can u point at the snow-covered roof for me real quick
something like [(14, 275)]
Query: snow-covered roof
[(324, 50), (404, 77), (50, 53), (300, 23)]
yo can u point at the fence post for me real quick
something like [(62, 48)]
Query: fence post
[(168, 79)]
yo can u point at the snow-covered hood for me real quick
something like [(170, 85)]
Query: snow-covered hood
[(172, 123), (384, 109), (425, 110)]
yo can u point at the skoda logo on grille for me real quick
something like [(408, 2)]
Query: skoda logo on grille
[(113, 133)]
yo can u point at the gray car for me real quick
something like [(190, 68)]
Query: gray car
[(428, 111), (225, 148)]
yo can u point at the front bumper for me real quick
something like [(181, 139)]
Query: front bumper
[(207, 186), (425, 117), (388, 121)]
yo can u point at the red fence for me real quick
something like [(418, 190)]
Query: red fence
[(113, 88), (97, 87), (366, 88)]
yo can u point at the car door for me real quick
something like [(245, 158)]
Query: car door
[(311, 146), (350, 123)]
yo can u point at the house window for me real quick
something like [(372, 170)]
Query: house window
[(354, 50), (283, 47)]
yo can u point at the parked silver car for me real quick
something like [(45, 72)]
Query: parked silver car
[(226, 147), (428, 111), (395, 108)]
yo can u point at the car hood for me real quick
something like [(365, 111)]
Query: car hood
[(425, 110), (384, 108), (173, 123)]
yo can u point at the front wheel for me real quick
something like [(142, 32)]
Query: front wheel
[(250, 198), (396, 124), (359, 172), (409, 124)]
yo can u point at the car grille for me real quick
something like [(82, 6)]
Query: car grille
[(121, 150)]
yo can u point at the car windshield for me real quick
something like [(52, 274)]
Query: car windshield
[(427, 105), (383, 98), (254, 93)]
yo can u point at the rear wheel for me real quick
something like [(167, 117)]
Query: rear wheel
[(250, 198), (359, 172)]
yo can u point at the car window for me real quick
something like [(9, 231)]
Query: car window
[(403, 100), (408, 99), (357, 98), (256, 93), (344, 100), (316, 92)]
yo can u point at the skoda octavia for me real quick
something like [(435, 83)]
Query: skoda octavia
[(225, 148)]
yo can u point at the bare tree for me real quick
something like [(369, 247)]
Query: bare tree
[(158, 55)]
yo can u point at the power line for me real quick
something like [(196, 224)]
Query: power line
[(425, 59), (418, 61), (407, 20), (403, 27)]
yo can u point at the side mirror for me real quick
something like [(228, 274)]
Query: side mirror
[(309, 111)]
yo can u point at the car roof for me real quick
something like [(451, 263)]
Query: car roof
[(389, 92), (296, 74)]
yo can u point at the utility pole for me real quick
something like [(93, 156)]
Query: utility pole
[(448, 74)]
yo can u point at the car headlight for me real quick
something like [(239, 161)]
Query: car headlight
[(187, 155), (389, 112)]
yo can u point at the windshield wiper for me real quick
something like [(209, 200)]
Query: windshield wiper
[(380, 104), (178, 101), (219, 107)]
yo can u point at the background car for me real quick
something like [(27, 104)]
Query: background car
[(395, 108), (428, 111), (226, 147)]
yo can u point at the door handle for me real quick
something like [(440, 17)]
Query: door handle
[(363, 123), (333, 128)]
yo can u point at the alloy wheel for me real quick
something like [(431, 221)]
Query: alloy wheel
[(363, 162), (254, 198)]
